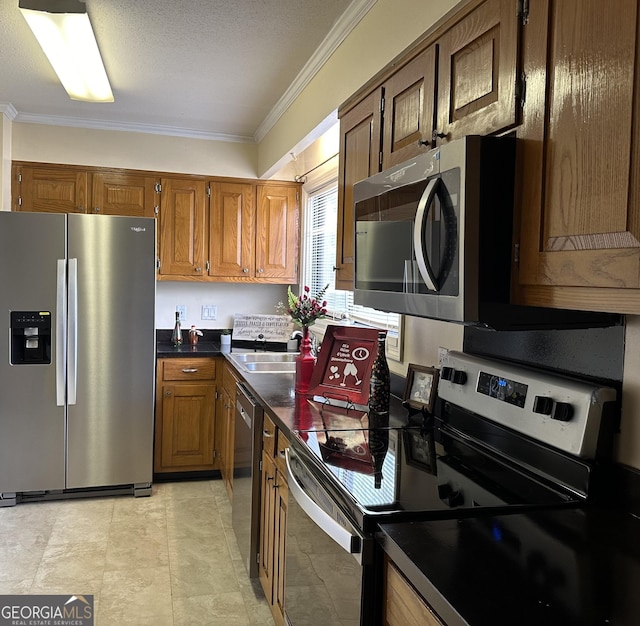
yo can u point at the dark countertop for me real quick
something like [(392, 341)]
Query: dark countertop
[(201, 349), (564, 567)]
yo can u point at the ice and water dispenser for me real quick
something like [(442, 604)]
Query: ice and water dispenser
[(30, 337)]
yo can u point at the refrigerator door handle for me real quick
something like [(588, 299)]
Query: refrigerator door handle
[(61, 330), (72, 361)]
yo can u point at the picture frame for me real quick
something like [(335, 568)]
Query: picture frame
[(420, 388)]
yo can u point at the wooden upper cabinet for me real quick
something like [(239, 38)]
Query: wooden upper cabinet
[(182, 227), (409, 109), (124, 193), (580, 156), (478, 70), (360, 136), (277, 232), (232, 230), (50, 190)]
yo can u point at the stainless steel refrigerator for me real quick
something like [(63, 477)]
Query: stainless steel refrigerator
[(77, 354)]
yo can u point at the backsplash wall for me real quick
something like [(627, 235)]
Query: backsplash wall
[(229, 298)]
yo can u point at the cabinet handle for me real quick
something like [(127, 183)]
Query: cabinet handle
[(168, 393), (245, 270), (260, 270), (97, 209), (436, 134), (198, 269), (281, 453), (191, 370), (266, 433), (80, 209), (425, 142)]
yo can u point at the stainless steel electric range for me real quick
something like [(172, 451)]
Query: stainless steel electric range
[(503, 438)]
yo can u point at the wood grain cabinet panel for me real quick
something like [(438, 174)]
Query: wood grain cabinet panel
[(409, 109), (124, 193), (232, 230), (478, 70), (359, 158), (182, 227), (185, 427), (277, 233), (402, 604), (50, 190), (580, 223)]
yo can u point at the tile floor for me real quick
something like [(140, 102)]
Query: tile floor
[(167, 560)]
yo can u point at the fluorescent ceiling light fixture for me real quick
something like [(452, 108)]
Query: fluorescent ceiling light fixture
[(64, 32)]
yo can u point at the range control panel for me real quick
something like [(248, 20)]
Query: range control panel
[(560, 411)]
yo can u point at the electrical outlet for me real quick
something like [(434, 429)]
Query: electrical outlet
[(442, 353), (182, 309), (209, 312)]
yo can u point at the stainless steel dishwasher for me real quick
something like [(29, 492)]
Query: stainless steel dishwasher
[(245, 506)]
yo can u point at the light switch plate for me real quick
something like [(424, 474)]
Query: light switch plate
[(182, 309), (209, 312)]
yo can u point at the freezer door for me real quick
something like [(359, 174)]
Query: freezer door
[(111, 350), (32, 413)]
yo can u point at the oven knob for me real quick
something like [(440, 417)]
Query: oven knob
[(459, 377), (446, 373), (562, 412), (542, 405)]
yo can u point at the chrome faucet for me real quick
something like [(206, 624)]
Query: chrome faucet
[(260, 339)]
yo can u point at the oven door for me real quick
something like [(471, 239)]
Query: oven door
[(324, 555)]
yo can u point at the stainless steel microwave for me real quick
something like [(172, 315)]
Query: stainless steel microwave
[(433, 235), (434, 238)]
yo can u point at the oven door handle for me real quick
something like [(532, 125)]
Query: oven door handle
[(418, 245), (349, 542)]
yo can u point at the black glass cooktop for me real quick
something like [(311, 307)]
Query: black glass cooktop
[(378, 470)]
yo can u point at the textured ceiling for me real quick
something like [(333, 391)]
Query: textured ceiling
[(201, 67)]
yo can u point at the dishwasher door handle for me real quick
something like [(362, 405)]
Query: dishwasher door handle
[(349, 542)]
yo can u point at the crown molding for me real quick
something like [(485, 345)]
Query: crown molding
[(56, 120), (347, 22), (6, 108)]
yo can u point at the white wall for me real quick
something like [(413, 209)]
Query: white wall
[(229, 298), (5, 163), (160, 153)]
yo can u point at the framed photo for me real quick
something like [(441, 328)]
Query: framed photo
[(420, 388)]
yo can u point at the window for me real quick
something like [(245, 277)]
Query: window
[(319, 250)]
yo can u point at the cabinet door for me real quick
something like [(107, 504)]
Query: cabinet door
[(182, 227), (580, 230), (280, 541), (403, 605), (360, 134), (267, 525), (277, 233), (409, 108), (232, 230), (122, 193), (187, 425), (52, 190), (478, 63)]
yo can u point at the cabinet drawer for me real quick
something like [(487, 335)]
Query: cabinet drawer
[(269, 432), (189, 369), (283, 444)]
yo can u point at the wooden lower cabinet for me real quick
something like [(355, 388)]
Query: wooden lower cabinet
[(274, 496), (185, 415), (225, 428), (403, 606)]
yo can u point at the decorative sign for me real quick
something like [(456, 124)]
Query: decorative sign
[(271, 327), (344, 365)]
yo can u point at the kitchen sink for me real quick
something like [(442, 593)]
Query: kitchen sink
[(265, 362)]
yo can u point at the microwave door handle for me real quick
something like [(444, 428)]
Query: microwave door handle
[(421, 215)]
